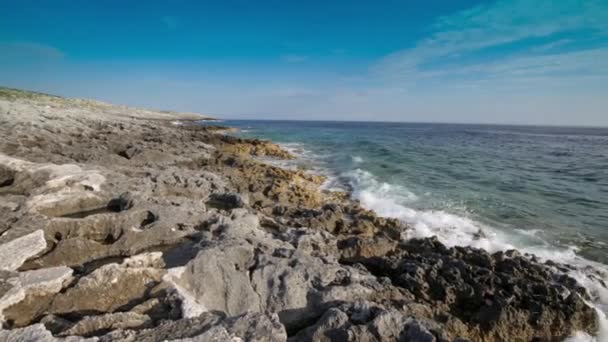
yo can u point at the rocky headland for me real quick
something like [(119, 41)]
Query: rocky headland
[(124, 224)]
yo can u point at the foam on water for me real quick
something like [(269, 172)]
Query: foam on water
[(396, 201), (456, 230)]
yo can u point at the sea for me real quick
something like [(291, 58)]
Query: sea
[(540, 190)]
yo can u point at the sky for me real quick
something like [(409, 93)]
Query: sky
[(542, 62)]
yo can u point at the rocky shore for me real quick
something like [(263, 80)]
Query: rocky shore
[(123, 224)]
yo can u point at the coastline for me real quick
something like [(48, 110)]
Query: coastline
[(205, 241)]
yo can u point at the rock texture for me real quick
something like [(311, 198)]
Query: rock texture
[(123, 224), (15, 252)]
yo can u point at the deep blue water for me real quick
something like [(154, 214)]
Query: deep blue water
[(541, 189)]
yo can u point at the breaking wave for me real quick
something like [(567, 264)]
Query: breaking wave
[(396, 201)]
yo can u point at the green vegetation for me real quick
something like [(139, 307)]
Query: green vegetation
[(14, 94)]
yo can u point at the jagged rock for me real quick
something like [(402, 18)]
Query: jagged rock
[(107, 289), (29, 293), (251, 327), (37, 333), (354, 249), (283, 256), (14, 253), (73, 252), (92, 325), (299, 288), (218, 279), (7, 176), (55, 324), (414, 331), (330, 327), (365, 322), (121, 203), (227, 201), (129, 152), (496, 296)]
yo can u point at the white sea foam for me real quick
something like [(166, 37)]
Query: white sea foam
[(392, 200), (457, 230), (357, 159)]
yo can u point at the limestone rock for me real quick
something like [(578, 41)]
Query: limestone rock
[(37, 333), (107, 289), (91, 325), (218, 279), (248, 327), (26, 295), (14, 253)]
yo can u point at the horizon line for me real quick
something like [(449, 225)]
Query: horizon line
[(421, 122)]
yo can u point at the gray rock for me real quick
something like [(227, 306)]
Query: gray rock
[(227, 201), (91, 325), (16, 288), (218, 279), (37, 333), (332, 326), (249, 327), (415, 332), (14, 253), (107, 289)]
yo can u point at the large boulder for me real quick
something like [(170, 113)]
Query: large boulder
[(218, 279)]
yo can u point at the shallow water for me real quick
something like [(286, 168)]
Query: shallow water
[(542, 190)]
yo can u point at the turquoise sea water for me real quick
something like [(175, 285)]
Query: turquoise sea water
[(544, 189), (541, 190)]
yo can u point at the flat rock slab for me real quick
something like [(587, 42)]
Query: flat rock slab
[(14, 287), (120, 320), (14, 253), (37, 333), (107, 289)]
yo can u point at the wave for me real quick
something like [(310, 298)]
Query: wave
[(357, 159), (396, 201)]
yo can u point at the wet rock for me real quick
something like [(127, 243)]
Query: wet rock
[(181, 254), (499, 295)]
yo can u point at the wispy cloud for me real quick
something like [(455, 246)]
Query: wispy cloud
[(294, 58), (29, 51), (510, 42)]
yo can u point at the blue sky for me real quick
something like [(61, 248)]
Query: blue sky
[(523, 62)]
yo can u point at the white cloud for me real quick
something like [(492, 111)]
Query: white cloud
[(455, 54)]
